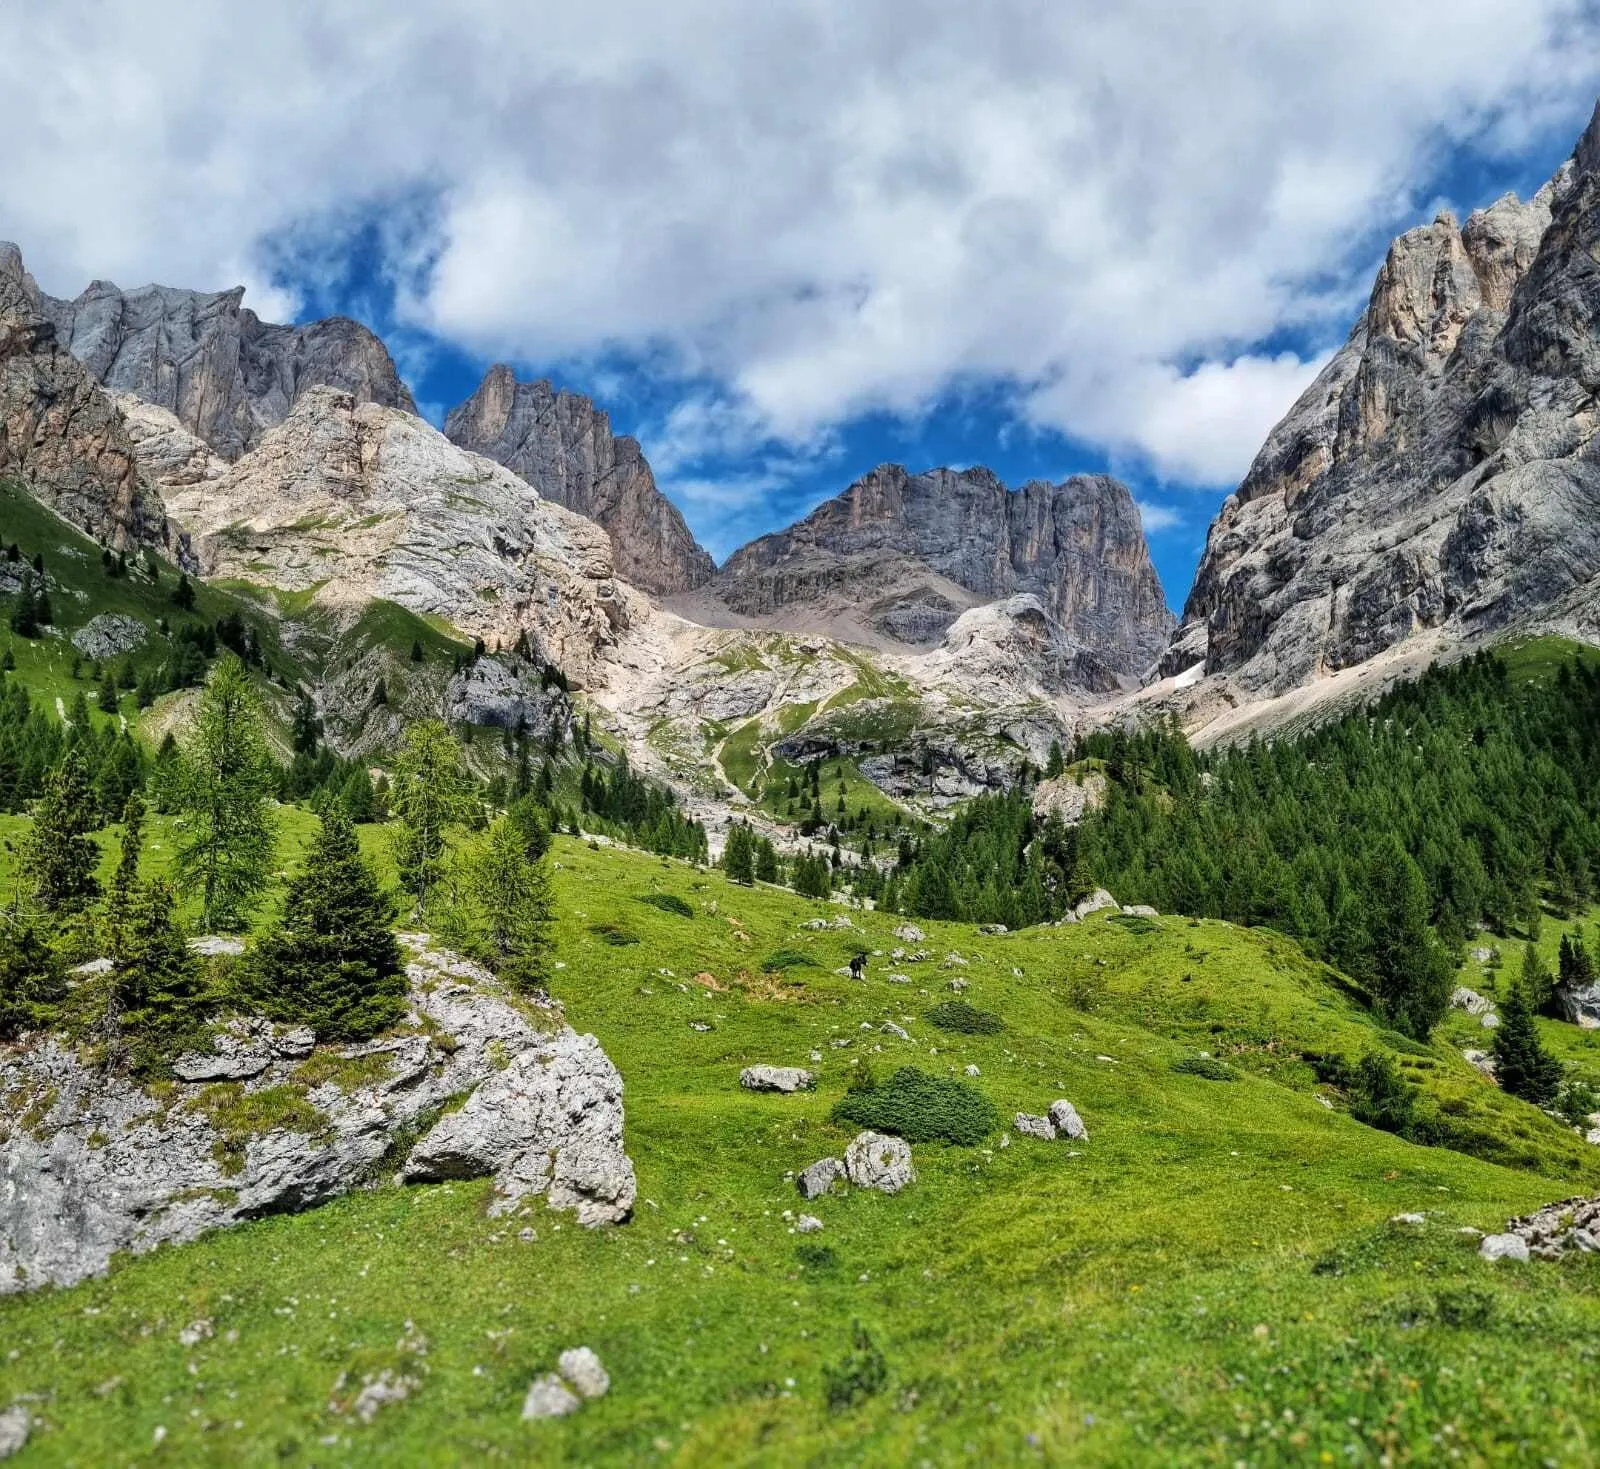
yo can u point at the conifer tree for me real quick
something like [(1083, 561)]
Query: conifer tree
[(430, 795), (107, 697), (499, 906), (58, 856), (30, 976), (1056, 765), (1411, 973), (738, 860), (332, 962), (158, 990), (1522, 1065), (227, 777), (766, 861), (121, 896), (183, 593)]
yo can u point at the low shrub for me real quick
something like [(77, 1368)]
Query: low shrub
[(964, 1019), (921, 1109), (614, 935), (860, 1374), (668, 903), (782, 959), (1206, 1066)]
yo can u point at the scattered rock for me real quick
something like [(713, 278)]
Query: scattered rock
[(876, 1161), (110, 635), (1139, 910), (1503, 1247), (196, 1332), (899, 979), (1065, 1118), (16, 1423), (1096, 901), (1480, 1061), (1410, 1221), (1482, 954), (776, 1079), (909, 933), (582, 1369), (549, 1397), (212, 944), (992, 929), (953, 961), (379, 1391), (1551, 1231), (820, 1177), (971, 1069), (1489, 1021), (808, 1224), (890, 1028), (957, 984), (1462, 998), (1031, 1126), (295, 1044)]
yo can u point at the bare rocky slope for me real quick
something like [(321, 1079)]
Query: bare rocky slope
[(224, 373), (1439, 479), (899, 557), (563, 446)]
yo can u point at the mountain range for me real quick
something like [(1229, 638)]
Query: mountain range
[(1435, 486)]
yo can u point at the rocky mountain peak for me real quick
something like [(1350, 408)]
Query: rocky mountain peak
[(562, 445), (1438, 473), (225, 374)]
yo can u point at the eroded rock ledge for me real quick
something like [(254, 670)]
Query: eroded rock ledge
[(470, 1086)]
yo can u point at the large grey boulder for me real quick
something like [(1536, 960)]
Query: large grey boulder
[(110, 635), (819, 1177), (1031, 1126), (1064, 1117), (1503, 1247), (776, 1079), (100, 1166), (1580, 1004), (874, 1160)]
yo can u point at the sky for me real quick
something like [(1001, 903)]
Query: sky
[(782, 244)]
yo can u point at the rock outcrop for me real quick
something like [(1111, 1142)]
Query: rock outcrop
[(226, 375), (92, 1164), (61, 435), (1440, 473), (899, 557), (563, 446), (354, 501)]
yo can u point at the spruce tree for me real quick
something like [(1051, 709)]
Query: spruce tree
[(107, 696), (227, 777), (1056, 765), (183, 593), (430, 794), (738, 860), (123, 892), (30, 976), (766, 863), (1411, 974), (157, 987), (1522, 1065), (332, 962), (499, 907), (58, 856)]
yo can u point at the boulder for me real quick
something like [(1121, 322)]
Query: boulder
[(1580, 1004), (808, 1224), (549, 1397), (16, 1423), (819, 1177), (874, 1160), (776, 1079), (581, 1368), (890, 1028), (1462, 998), (1480, 1061), (1139, 910), (110, 635), (209, 945), (1031, 1126), (1065, 1118), (909, 933), (1503, 1247), (1098, 900)]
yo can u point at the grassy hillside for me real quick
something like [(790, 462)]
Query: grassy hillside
[(1212, 1278)]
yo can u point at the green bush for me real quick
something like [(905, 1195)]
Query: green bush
[(668, 903), (965, 1019), (1207, 1066), (860, 1374), (921, 1109), (787, 959), (614, 935)]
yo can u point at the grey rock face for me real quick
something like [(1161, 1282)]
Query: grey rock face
[(1580, 1004), (776, 1079), (61, 436), (906, 554), (90, 1164), (224, 373), (821, 1176), (1439, 474), (563, 446), (489, 693), (874, 1160)]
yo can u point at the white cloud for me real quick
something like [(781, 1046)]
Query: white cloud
[(820, 208), (1158, 519)]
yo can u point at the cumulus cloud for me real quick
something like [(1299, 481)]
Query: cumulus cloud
[(1158, 519), (821, 209)]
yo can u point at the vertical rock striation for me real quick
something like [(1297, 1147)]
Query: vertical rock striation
[(563, 446)]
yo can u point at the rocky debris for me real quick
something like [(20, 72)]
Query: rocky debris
[(489, 693), (821, 1176), (1139, 910), (212, 363), (1064, 1116), (61, 436), (1548, 1233), (110, 635), (213, 944), (16, 1423), (807, 1224), (563, 446), (1461, 998), (351, 501), (1580, 1004), (971, 1070), (776, 1079), (196, 1332), (1439, 475), (1408, 1221), (1096, 902), (874, 1160), (890, 1028), (103, 1166), (1489, 1021), (909, 933), (1503, 1247), (380, 1390), (956, 985), (1480, 1061), (578, 1375), (1069, 797), (240, 1049), (1481, 954), (899, 557), (1030, 1126)]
